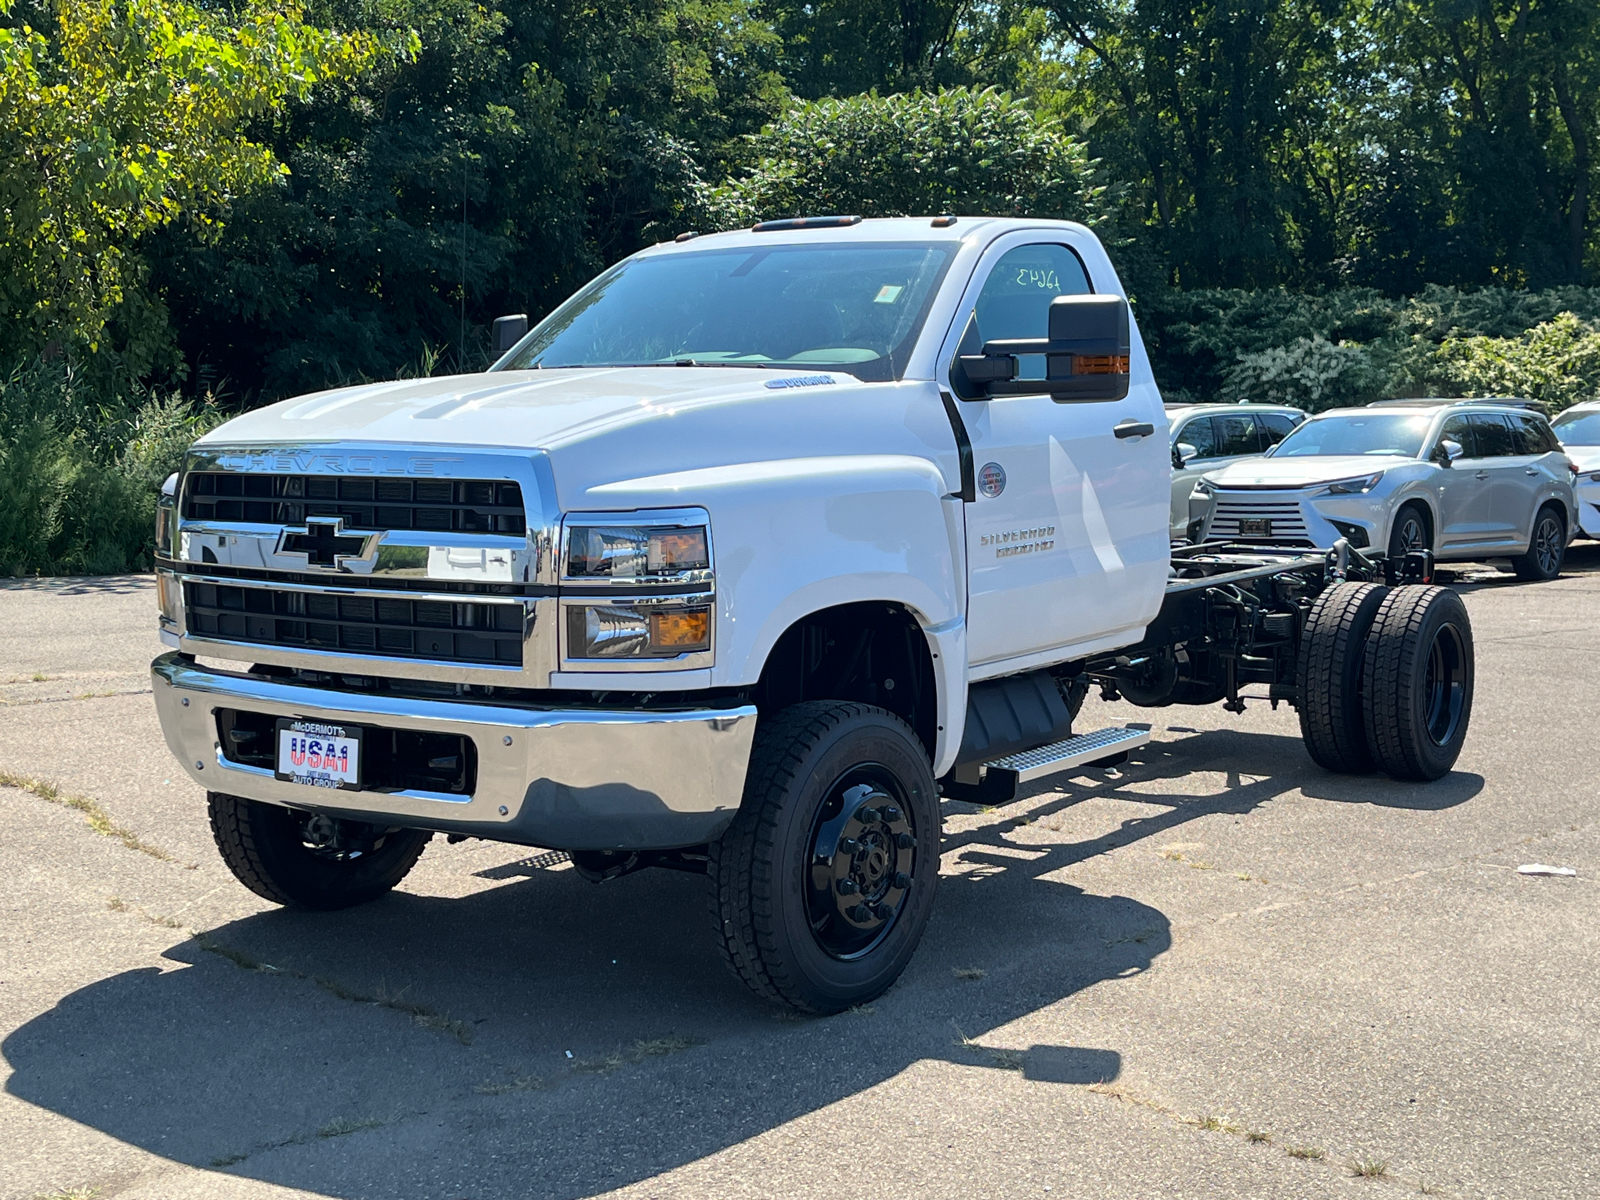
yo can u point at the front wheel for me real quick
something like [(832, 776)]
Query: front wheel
[(305, 860), (823, 884), (1547, 549)]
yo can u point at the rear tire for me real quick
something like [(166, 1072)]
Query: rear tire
[(1329, 676), (265, 847), (823, 884), (1419, 679), (1547, 548)]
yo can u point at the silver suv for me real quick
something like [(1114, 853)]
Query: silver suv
[(1470, 479), (1208, 436)]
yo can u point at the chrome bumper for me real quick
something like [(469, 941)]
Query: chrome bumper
[(569, 779)]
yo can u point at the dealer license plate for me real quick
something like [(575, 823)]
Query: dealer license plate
[(319, 755), (1255, 526)]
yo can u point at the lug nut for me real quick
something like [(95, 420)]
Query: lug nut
[(861, 913), (848, 887), (867, 816), (905, 841), (902, 880), (892, 814), (882, 911), (848, 845)]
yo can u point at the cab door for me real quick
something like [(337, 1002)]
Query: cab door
[(1508, 508), (1462, 495), (1067, 538)]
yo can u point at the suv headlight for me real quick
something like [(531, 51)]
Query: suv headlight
[(1353, 487), (637, 588)]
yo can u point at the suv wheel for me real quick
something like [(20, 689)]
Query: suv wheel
[(823, 884), (1547, 549), (1410, 532)]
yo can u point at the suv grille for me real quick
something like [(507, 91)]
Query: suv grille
[(443, 630), (1283, 517), (467, 505)]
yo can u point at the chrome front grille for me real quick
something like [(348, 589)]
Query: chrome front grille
[(425, 505), (456, 631), (1286, 521)]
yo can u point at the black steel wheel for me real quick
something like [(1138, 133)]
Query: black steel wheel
[(1329, 676), (307, 860), (1418, 682), (1409, 532), (1547, 549), (823, 884)]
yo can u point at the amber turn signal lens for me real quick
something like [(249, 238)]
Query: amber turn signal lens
[(1099, 364), (678, 550), (686, 630)]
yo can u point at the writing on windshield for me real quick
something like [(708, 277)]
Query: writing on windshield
[(850, 307)]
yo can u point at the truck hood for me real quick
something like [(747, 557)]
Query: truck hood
[(522, 409), (1303, 472)]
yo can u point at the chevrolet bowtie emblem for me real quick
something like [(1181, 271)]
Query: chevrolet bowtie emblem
[(325, 543)]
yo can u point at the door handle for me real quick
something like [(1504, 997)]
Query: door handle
[(1530, 470), (1483, 475), (1131, 428)]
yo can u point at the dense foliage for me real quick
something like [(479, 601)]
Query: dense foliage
[(1320, 201)]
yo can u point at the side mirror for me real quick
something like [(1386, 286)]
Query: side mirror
[(1183, 452), (1447, 452), (1086, 354), (508, 332)]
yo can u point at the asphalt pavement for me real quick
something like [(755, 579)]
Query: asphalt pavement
[(1218, 971)]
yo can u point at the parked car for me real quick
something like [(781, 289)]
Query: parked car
[(1206, 437), (1578, 428), (1467, 479)]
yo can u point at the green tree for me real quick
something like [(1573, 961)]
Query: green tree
[(125, 116), (957, 150)]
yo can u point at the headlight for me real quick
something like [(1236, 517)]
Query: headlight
[(166, 515), (1353, 487), (612, 631), (1202, 488), (637, 590), (636, 553), (1594, 477)]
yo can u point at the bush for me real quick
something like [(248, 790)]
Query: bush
[(79, 479), (959, 150), (1557, 362)]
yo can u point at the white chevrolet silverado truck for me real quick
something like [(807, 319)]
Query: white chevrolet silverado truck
[(736, 563)]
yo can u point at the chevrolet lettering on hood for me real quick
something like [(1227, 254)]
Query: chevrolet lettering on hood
[(309, 463)]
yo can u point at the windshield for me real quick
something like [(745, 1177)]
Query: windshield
[(852, 307), (1578, 428), (1366, 433)]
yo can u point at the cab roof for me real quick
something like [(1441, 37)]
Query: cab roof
[(931, 228)]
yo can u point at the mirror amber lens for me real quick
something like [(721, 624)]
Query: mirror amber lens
[(690, 630)]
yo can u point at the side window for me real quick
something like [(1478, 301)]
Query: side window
[(1274, 427), (1015, 301), (1533, 436), (1236, 435), (1494, 435), (1457, 429), (1197, 433)]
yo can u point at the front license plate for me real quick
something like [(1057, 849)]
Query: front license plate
[(1255, 527), (318, 755)]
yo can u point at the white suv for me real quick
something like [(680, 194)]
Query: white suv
[(1468, 479), (1579, 430), (1206, 437)]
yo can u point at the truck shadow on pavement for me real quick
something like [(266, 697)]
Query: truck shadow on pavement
[(546, 1037)]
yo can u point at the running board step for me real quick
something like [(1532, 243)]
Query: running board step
[(998, 785)]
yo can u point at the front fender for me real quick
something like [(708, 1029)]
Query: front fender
[(797, 535)]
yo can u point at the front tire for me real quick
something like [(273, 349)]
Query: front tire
[(823, 884), (272, 852), (1410, 531), (1547, 548)]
